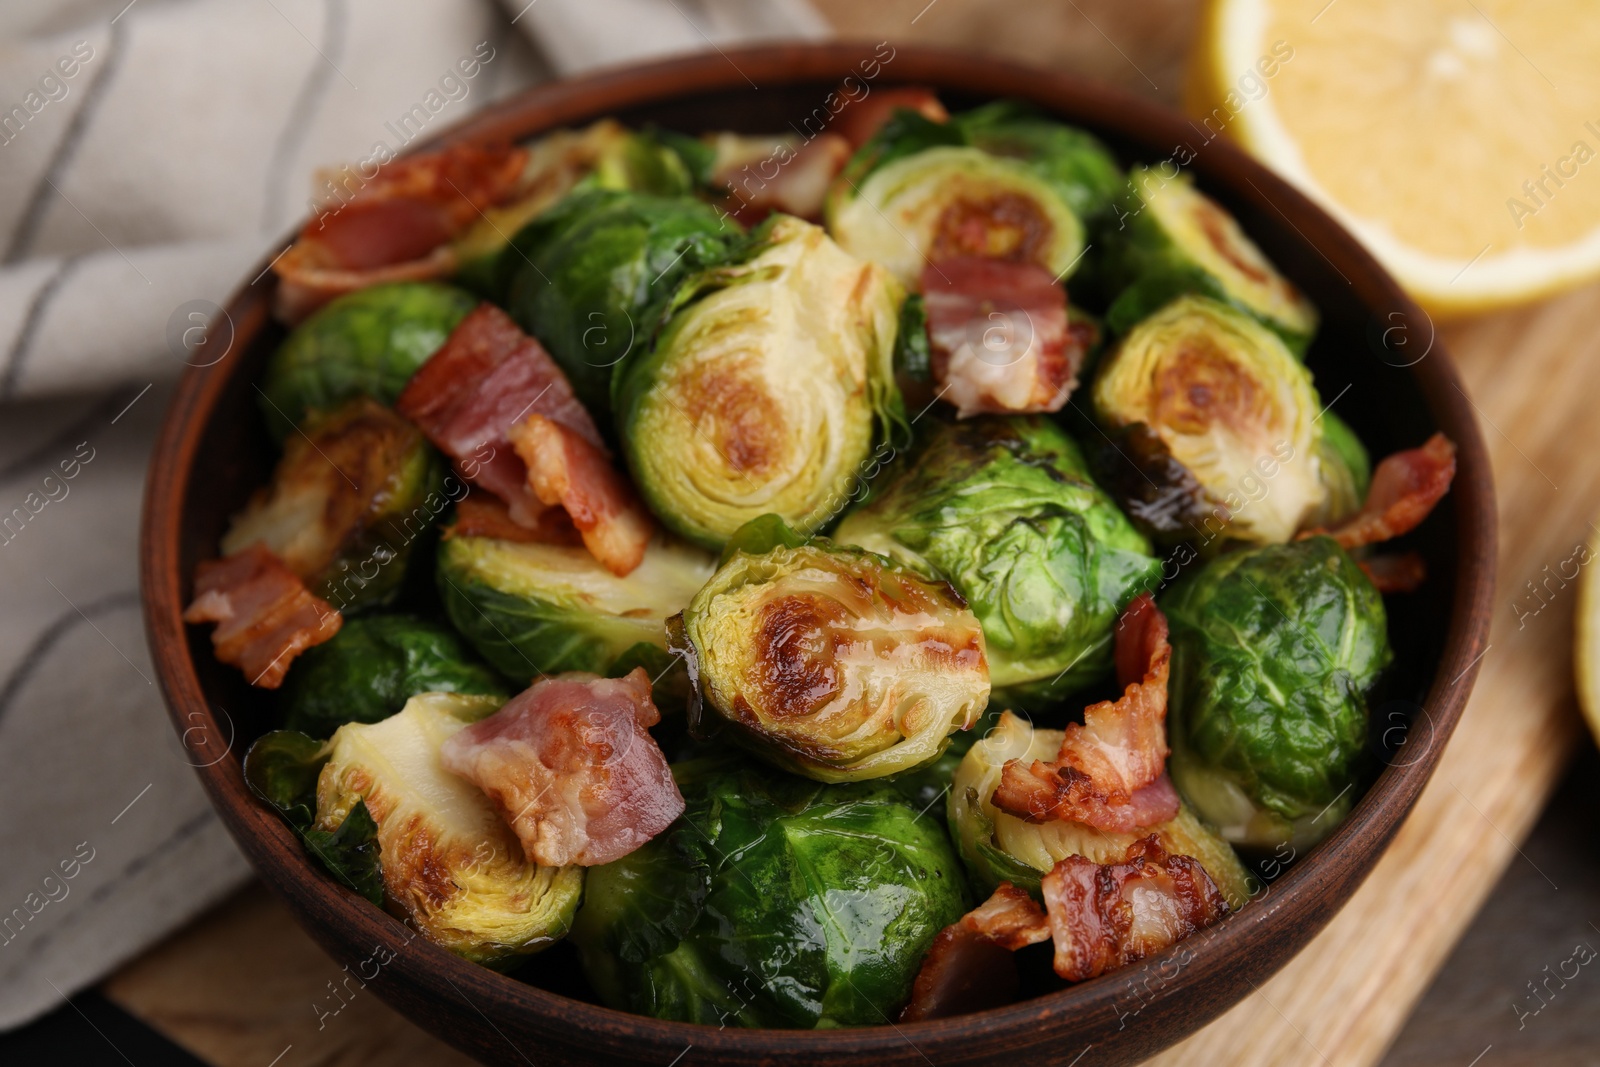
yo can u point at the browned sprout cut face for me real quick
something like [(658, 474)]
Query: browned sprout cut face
[(834, 662)]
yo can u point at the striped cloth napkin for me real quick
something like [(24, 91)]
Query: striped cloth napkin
[(150, 153)]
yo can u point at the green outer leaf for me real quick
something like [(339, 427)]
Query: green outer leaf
[(281, 768), (1004, 509), (594, 271), (370, 341), (759, 536), (373, 665), (1072, 159), (1273, 651), (820, 902), (1345, 469), (911, 353), (350, 853)]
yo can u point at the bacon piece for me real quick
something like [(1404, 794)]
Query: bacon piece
[(791, 180), (482, 515), (1404, 489), (1104, 916), (485, 377), (1109, 772), (264, 615), (565, 469), (969, 966), (864, 116), (571, 766), (999, 336), (1403, 573), (396, 225), (1100, 915)]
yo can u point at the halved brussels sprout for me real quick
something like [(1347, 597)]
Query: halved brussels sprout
[(1001, 181), (372, 666), (356, 488), (997, 846), (832, 662), (450, 864), (536, 608), (1003, 508), (1178, 240), (368, 342), (767, 387), (955, 200), (773, 901), (1232, 407), (588, 271), (1273, 652), (1073, 159)]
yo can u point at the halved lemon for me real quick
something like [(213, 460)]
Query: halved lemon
[(1586, 640), (1459, 139)]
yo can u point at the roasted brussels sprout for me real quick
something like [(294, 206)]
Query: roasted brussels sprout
[(1073, 160), (1230, 405), (1345, 471), (450, 863), (997, 846), (773, 901), (919, 191), (1170, 239), (1273, 652), (445, 859), (587, 271), (354, 492), (373, 666), (833, 662), (537, 608), (1003, 508), (767, 387), (367, 342)]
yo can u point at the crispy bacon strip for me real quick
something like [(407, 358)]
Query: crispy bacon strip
[(1404, 573), (1000, 337), (485, 377), (264, 615), (1405, 488), (482, 515), (1104, 916), (864, 116), (565, 469), (396, 225), (784, 178), (969, 966), (1110, 770), (1101, 916), (571, 766)]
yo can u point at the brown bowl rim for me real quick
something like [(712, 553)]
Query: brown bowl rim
[(1226, 958)]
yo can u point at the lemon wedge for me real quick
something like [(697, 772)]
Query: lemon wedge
[(1459, 139), (1586, 641)]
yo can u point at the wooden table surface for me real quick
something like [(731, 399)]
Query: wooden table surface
[(238, 988)]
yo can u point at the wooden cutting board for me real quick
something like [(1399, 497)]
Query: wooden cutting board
[(243, 986)]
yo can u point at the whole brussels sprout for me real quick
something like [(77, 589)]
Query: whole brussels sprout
[(832, 662), (367, 342), (588, 271), (766, 389), (535, 608), (1169, 238), (372, 666), (773, 901), (1273, 652), (1004, 509), (1230, 407), (997, 846), (354, 492), (446, 860)]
